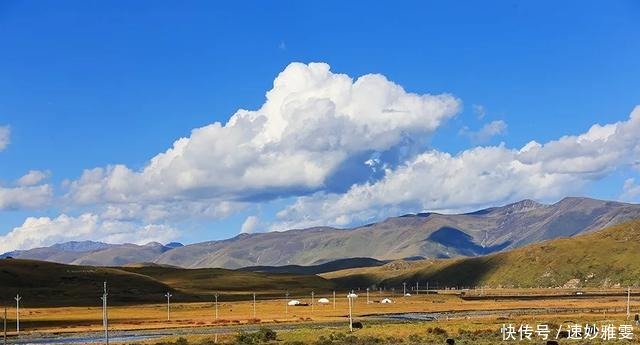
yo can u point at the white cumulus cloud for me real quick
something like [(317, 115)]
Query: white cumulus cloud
[(477, 177), (21, 197), (45, 231), (312, 122), (33, 177)]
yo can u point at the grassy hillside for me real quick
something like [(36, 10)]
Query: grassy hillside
[(46, 283), (331, 266), (51, 284), (208, 281), (604, 258)]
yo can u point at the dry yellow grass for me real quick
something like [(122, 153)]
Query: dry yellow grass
[(153, 316)]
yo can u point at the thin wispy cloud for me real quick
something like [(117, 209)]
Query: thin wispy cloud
[(5, 137), (486, 133)]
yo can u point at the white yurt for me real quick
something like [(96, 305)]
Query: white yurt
[(352, 295), (323, 301), (386, 301), (293, 302), (408, 295)]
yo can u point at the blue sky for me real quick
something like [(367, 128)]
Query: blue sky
[(91, 84)]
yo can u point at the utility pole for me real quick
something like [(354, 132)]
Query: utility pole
[(286, 302), (350, 298), (367, 295), (105, 314), (404, 289), (312, 300), (5, 325), (168, 295), (417, 289), (254, 305), (216, 297), (334, 299), (628, 303), (18, 298)]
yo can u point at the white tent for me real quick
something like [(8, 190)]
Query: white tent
[(386, 301), (408, 294), (293, 302), (352, 295), (323, 301)]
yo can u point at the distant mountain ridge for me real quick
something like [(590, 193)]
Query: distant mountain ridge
[(95, 253), (423, 235)]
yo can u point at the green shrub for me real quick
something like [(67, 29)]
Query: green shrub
[(267, 334)]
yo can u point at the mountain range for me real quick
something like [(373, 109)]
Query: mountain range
[(411, 236), (603, 259)]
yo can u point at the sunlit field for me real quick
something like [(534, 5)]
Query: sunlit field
[(453, 310)]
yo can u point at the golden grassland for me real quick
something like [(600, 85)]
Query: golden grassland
[(272, 311)]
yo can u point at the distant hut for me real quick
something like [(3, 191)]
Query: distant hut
[(386, 301)]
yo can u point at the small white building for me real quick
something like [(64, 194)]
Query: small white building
[(293, 302), (386, 301), (324, 301)]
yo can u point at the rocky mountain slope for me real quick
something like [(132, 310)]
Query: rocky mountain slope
[(424, 235), (606, 258), (428, 235)]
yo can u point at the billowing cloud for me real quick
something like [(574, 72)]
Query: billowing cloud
[(314, 124), (21, 197), (250, 224), (485, 133), (478, 177), (32, 178), (5, 137), (45, 231)]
